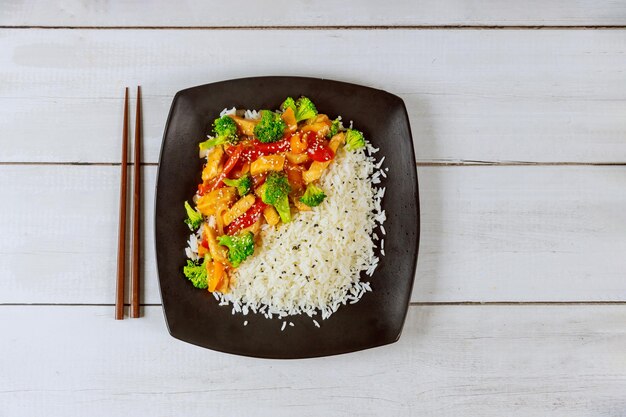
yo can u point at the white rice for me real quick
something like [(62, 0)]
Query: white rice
[(192, 248), (228, 111), (251, 114), (312, 265)]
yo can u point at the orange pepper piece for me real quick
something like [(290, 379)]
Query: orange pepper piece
[(298, 143), (216, 275), (289, 118), (223, 286)]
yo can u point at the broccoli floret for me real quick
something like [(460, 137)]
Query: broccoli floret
[(270, 128), (275, 191), (225, 130), (335, 126), (240, 246), (197, 273), (313, 196), (354, 139), (289, 103), (243, 184), (305, 109), (225, 126), (194, 217)]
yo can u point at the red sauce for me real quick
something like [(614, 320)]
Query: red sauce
[(318, 149), (257, 148), (203, 188)]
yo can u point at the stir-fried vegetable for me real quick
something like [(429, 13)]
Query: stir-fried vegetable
[(194, 217), (243, 184), (247, 219), (270, 128), (225, 130), (267, 163), (246, 126), (240, 246), (313, 196), (335, 126), (228, 166), (289, 116), (197, 274), (275, 191), (216, 275), (316, 169), (239, 208), (354, 139), (303, 108), (271, 216), (289, 103), (257, 171), (214, 164)]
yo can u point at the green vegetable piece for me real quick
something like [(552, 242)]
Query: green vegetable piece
[(225, 130), (240, 246), (194, 217), (270, 128), (334, 128), (275, 191), (313, 196), (354, 139), (197, 273), (289, 103), (305, 109), (242, 184)]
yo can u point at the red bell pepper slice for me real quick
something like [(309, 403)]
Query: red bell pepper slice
[(260, 149), (248, 218), (230, 164)]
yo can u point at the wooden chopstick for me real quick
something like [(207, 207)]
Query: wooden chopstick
[(134, 303), (121, 243)]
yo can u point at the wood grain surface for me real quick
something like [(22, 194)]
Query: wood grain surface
[(486, 361), (472, 95), (504, 233), (186, 13), (518, 111)]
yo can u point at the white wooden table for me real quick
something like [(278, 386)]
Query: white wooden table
[(519, 117)]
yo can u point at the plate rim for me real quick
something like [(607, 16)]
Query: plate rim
[(407, 295)]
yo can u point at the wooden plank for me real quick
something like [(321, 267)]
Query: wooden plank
[(487, 361), (506, 233), (522, 234), (61, 221), (538, 96), (321, 13)]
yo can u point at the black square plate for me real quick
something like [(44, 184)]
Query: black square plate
[(194, 316)]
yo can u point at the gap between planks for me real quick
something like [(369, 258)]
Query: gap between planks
[(465, 163), (331, 27), (412, 304)]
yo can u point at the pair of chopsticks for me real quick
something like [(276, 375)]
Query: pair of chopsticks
[(121, 254)]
